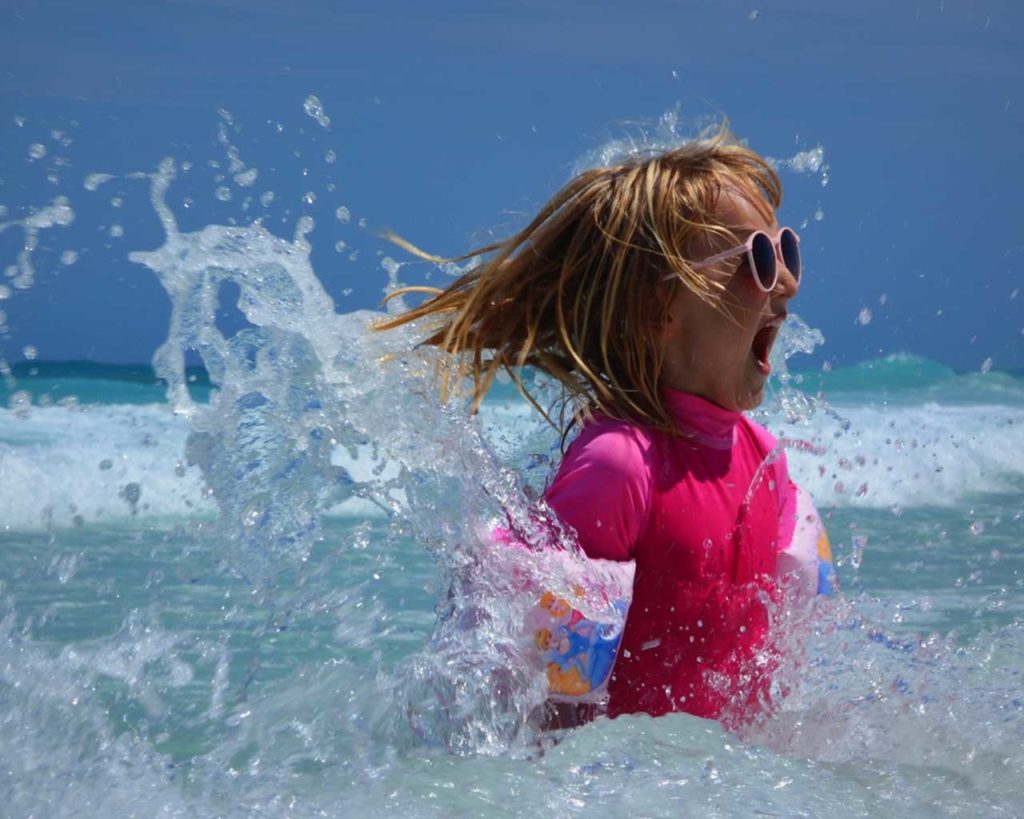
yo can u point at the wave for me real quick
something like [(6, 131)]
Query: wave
[(909, 378), (897, 375), (67, 466)]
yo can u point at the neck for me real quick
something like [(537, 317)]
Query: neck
[(701, 419)]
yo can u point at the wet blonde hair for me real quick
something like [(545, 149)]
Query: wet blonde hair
[(581, 292)]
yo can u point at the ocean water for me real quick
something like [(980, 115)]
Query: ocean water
[(267, 587), (160, 660)]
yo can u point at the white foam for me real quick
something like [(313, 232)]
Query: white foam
[(63, 466), (926, 454), (920, 455)]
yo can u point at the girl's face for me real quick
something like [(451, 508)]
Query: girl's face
[(722, 354)]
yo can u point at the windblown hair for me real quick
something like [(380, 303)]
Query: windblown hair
[(581, 292)]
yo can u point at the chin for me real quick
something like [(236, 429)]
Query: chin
[(752, 399)]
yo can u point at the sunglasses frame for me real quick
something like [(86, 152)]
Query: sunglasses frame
[(748, 248)]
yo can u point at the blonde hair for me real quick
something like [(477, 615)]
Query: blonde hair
[(581, 291)]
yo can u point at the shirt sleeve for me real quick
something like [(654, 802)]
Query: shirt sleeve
[(603, 488), (788, 492)]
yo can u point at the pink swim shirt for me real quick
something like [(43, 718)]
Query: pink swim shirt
[(703, 515)]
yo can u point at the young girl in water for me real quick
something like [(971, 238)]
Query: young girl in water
[(653, 290)]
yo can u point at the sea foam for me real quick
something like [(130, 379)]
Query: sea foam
[(65, 466)]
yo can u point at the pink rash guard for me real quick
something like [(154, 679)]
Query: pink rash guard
[(703, 516)]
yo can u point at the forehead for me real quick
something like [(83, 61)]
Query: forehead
[(743, 211)]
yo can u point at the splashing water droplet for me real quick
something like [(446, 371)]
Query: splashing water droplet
[(61, 137), (977, 528), (68, 257), (266, 198), (330, 157), (36, 150), (340, 246), (812, 161), (864, 317), (245, 179), (303, 227), (30, 352), (986, 365), (94, 180), (343, 215), (858, 543), (131, 493), (223, 193), (116, 231), (315, 109)]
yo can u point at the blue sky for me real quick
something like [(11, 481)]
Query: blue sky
[(452, 120)]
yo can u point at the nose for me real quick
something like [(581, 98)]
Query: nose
[(788, 285)]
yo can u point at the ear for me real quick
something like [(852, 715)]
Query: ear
[(670, 316)]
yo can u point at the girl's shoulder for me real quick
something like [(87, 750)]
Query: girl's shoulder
[(614, 439), (602, 488), (767, 449), (765, 440)]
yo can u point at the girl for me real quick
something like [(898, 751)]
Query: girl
[(653, 290)]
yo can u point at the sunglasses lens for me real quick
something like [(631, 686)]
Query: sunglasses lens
[(791, 252), (762, 252)]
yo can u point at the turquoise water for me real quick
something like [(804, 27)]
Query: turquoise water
[(267, 587), (155, 661)]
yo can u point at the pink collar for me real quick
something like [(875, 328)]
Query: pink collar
[(700, 419)]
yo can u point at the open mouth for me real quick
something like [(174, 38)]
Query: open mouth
[(761, 347)]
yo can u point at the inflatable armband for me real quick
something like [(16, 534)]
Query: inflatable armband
[(808, 557), (578, 653)]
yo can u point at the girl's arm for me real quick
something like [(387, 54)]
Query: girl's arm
[(603, 487), (805, 555)]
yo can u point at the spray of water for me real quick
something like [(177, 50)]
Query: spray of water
[(217, 696)]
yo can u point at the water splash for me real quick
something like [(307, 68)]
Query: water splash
[(302, 383), (269, 661), (58, 213), (315, 109), (646, 139)]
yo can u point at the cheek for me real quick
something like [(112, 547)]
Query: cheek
[(719, 336), (744, 298), (700, 332)]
